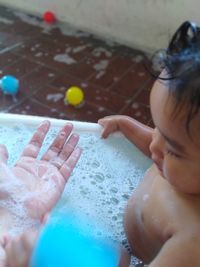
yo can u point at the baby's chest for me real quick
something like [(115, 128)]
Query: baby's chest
[(158, 219), (157, 207), (165, 211), (150, 221)]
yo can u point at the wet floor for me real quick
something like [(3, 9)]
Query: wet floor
[(47, 60)]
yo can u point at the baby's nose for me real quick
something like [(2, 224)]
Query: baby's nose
[(157, 146)]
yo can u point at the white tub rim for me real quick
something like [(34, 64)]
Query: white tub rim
[(33, 121)]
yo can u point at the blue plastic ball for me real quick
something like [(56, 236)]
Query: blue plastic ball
[(69, 242), (9, 84)]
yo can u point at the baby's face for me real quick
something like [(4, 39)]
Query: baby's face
[(175, 153)]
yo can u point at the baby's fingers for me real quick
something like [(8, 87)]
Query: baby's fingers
[(57, 145), (108, 126), (33, 147), (70, 163), (105, 133)]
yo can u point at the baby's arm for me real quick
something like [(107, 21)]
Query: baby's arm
[(179, 251), (138, 133)]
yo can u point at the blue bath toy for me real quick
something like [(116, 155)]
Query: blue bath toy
[(9, 85), (67, 241)]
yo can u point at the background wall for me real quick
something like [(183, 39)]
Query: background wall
[(144, 24)]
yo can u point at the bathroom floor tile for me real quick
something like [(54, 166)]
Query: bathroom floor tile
[(135, 79), (113, 72), (35, 79), (33, 107), (7, 58), (54, 97), (47, 60), (19, 68), (139, 111)]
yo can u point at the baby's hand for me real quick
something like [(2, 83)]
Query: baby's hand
[(110, 124)]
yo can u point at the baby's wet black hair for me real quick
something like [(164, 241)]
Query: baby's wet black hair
[(181, 61)]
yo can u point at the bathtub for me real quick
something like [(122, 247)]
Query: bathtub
[(105, 177)]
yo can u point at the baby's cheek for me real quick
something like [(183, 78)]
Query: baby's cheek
[(172, 172), (169, 170)]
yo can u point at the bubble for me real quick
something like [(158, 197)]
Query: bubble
[(114, 190), (114, 218), (108, 176), (95, 164), (125, 196), (99, 177), (114, 200)]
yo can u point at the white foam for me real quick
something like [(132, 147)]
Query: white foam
[(99, 51), (34, 21), (102, 65), (54, 97), (64, 58), (6, 21), (79, 48)]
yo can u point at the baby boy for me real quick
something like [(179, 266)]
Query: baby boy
[(162, 218)]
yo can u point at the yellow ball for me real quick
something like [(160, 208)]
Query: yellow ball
[(74, 95)]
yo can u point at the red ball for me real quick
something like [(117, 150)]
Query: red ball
[(49, 17)]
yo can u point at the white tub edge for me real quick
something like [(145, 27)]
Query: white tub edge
[(8, 118), (34, 121)]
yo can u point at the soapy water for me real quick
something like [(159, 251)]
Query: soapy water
[(99, 187)]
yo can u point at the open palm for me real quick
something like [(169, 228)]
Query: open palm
[(32, 187)]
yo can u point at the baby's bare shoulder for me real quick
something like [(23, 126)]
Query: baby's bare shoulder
[(164, 219), (162, 205)]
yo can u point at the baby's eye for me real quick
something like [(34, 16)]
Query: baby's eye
[(170, 152)]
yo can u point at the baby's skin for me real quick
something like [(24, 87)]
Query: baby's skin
[(31, 188), (162, 218)]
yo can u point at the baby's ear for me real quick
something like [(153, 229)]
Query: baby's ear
[(124, 259)]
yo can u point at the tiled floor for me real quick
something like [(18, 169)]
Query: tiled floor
[(47, 62)]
